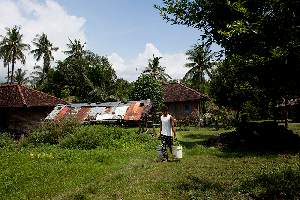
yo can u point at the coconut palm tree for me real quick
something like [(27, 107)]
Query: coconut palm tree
[(155, 70), (201, 62), (5, 59), (76, 49), (20, 76), (12, 48), (44, 49)]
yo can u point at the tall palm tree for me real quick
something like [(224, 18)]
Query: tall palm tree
[(3, 56), (155, 70), (44, 48), (201, 62), (20, 76), (76, 49), (12, 47)]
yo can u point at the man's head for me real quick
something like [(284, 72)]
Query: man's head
[(164, 110)]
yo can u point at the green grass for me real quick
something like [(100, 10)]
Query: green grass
[(51, 172)]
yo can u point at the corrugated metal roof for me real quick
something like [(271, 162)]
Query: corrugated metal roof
[(108, 111), (82, 114)]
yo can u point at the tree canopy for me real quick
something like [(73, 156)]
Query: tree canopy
[(12, 49), (147, 87), (43, 49), (260, 39), (156, 70)]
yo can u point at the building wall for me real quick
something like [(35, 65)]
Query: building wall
[(20, 120), (183, 109)]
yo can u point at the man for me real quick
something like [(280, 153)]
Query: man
[(167, 131)]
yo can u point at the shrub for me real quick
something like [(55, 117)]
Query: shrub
[(6, 141), (51, 132), (93, 136)]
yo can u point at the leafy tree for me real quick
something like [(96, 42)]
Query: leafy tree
[(76, 49), (147, 87), (88, 77), (123, 88), (20, 76), (12, 48), (44, 49), (155, 70), (201, 62), (264, 33)]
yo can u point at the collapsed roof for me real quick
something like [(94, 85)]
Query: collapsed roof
[(132, 111)]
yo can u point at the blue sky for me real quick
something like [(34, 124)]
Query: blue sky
[(125, 26), (128, 32)]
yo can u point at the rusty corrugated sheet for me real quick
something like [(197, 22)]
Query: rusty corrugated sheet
[(109, 111), (62, 113), (94, 112), (134, 112), (82, 114)]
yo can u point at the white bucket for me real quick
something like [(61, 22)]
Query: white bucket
[(177, 151)]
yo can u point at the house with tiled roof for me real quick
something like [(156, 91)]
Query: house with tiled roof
[(22, 107), (182, 100)]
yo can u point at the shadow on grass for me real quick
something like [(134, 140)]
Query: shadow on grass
[(192, 140), (281, 184), (195, 187), (256, 139), (199, 136)]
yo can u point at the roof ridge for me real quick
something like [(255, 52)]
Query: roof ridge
[(22, 95), (189, 88), (201, 94)]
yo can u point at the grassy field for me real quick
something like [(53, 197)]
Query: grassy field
[(51, 172)]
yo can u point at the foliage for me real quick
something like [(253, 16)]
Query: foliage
[(147, 87), (75, 49), (12, 48), (91, 137), (231, 86), (88, 77), (260, 39), (264, 136), (156, 71), (20, 76), (44, 49), (51, 132), (203, 173), (123, 88), (219, 116), (6, 141), (200, 64)]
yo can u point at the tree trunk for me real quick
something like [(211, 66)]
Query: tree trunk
[(237, 116), (13, 66), (7, 72), (12, 71), (286, 113)]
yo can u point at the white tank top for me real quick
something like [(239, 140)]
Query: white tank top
[(166, 128)]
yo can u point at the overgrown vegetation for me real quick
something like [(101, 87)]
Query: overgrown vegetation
[(97, 162)]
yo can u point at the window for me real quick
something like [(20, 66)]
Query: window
[(187, 108)]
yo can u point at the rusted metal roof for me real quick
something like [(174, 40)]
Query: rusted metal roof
[(136, 110), (82, 114), (109, 111), (62, 113)]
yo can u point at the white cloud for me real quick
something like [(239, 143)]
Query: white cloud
[(36, 17), (131, 69)]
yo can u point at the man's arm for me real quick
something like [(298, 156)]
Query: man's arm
[(173, 127), (160, 127)]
